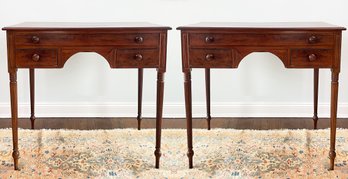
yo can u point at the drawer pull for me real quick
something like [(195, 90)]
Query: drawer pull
[(35, 57), (209, 39), (35, 39), (313, 39), (312, 57), (209, 57), (139, 39), (138, 57)]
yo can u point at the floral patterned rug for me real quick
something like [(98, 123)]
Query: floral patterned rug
[(128, 153)]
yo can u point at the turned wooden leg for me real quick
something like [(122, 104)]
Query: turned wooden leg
[(207, 89), (188, 104), (14, 117), (159, 110), (32, 97), (140, 95), (315, 97), (333, 117)]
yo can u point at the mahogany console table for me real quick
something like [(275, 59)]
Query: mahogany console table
[(50, 45), (298, 45)]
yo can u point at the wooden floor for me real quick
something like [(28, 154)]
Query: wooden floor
[(236, 123)]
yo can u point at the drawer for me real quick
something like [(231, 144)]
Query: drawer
[(310, 58), (36, 58), (68, 39), (136, 58), (255, 39), (210, 58)]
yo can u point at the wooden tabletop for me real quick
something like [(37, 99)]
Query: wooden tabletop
[(83, 25), (264, 25)]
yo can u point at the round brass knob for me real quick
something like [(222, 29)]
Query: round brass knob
[(209, 39), (312, 57), (313, 39), (139, 39), (138, 57), (209, 57), (35, 39), (35, 57)]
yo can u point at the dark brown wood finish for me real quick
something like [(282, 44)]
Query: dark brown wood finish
[(207, 92), (298, 45), (140, 95), (159, 110), (50, 45), (48, 38), (32, 97), (188, 105), (14, 114), (315, 97)]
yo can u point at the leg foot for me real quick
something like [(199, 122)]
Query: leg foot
[(15, 155), (208, 121), (315, 121), (332, 156), (190, 154), (158, 156), (139, 122), (32, 122)]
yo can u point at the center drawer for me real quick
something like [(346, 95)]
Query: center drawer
[(69, 39)]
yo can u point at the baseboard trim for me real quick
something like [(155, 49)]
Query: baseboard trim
[(174, 110)]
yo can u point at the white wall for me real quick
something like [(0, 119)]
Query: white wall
[(88, 87)]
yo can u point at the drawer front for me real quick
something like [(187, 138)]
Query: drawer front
[(38, 58), (255, 39), (137, 58), (311, 58), (210, 58), (68, 39)]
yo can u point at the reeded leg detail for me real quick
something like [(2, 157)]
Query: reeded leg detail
[(32, 97), (315, 97), (207, 89), (333, 117), (14, 117), (159, 110), (188, 104), (140, 96)]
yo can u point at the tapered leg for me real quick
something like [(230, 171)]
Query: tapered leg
[(140, 95), (14, 117), (207, 89), (315, 97), (188, 104), (333, 117), (32, 97), (159, 110)]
